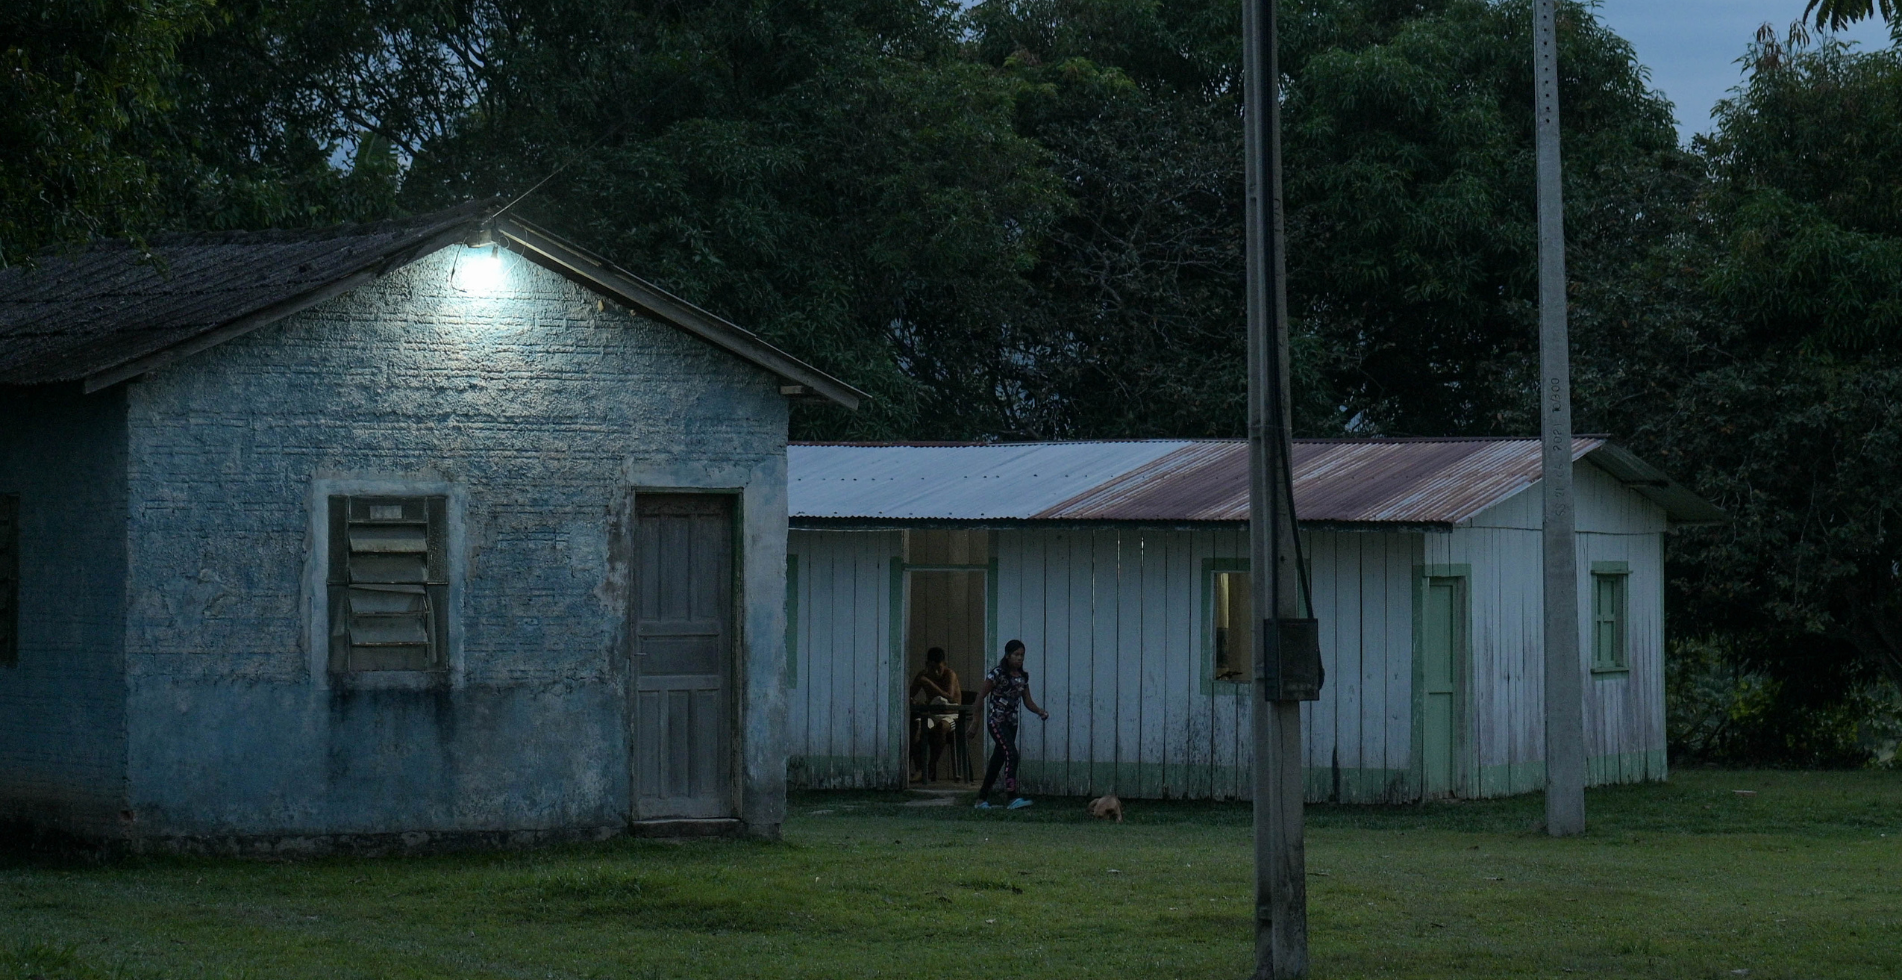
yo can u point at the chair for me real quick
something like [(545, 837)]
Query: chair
[(961, 767)]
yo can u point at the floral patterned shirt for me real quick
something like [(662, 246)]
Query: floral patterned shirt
[(1007, 692)]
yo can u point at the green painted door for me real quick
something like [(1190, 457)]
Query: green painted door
[(1443, 622)]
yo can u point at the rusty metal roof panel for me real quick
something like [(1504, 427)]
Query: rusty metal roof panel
[(1202, 481), (1413, 481), (1418, 482)]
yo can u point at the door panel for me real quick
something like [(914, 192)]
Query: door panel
[(683, 656), (1443, 623)]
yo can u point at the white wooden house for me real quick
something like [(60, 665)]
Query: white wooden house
[(1123, 566)]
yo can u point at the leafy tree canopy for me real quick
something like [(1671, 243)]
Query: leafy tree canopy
[(1756, 352), (77, 81), (1838, 14), (1409, 167)]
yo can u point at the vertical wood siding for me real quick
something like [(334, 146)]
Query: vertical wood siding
[(1119, 652), (1359, 734), (1624, 713), (840, 704)]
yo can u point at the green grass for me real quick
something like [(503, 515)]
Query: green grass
[(1686, 880)]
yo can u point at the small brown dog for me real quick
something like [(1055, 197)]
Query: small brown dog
[(1105, 807)]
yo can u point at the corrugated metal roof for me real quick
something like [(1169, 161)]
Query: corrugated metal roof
[(1010, 481), (1416, 482)]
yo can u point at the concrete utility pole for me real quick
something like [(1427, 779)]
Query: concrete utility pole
[(1564, 681), (1288, 659)]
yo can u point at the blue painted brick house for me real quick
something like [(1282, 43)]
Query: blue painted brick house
[(426, 532)]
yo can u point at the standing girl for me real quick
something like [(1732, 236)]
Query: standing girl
[(1005, 686)]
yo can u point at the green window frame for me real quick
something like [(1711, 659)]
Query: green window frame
[(1231, 626), (1222, 642), (1611, 624), (1219, 646)]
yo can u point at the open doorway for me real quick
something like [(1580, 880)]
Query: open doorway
[(948, 578)]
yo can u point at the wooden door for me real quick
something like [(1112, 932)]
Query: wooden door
[(683, 656), (1442, 650)]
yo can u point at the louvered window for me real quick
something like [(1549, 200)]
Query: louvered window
[(389, 583), (9, 580), (1608, 623)]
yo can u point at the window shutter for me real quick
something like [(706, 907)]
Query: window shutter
[(389, 583), (9, 580), (1601, 626), (1608, 622)]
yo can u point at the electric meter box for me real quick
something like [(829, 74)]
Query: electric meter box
[(1291, 660)]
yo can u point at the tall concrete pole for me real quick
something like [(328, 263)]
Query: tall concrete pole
[(1281, 896), (1564, 680)]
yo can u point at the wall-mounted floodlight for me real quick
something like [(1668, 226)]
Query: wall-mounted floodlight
[(479, 270)]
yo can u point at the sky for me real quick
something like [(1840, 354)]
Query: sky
[(1692, 46)]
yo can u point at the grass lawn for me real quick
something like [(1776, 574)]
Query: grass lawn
[(1686, 880)]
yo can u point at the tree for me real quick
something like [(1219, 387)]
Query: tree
[(1408, 142), (1762, 363), (1032, 232), (1838, 14), (78, 80), (832, 174)]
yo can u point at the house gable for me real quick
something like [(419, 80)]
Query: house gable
[(1604, 505), (531, 409), (112, 312)]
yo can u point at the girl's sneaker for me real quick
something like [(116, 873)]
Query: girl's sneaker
[(1018, 804), (982, 805)]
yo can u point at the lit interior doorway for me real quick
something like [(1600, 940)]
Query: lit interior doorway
[(948, 577)]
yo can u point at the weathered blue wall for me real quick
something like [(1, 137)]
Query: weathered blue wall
[(62, 709), (536, 410)]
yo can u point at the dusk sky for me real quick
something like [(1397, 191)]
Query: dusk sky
[(1692, 46)]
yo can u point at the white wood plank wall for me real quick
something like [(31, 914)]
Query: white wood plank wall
[(841, 705), (1360, 733), (1624, 712), (1114, 621)]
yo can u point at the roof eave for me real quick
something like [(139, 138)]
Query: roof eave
[(599, 274), (453, 229), (807, 523), (1681, 507), (478, 225)]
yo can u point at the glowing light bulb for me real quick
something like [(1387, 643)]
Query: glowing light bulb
[(481, 272)]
